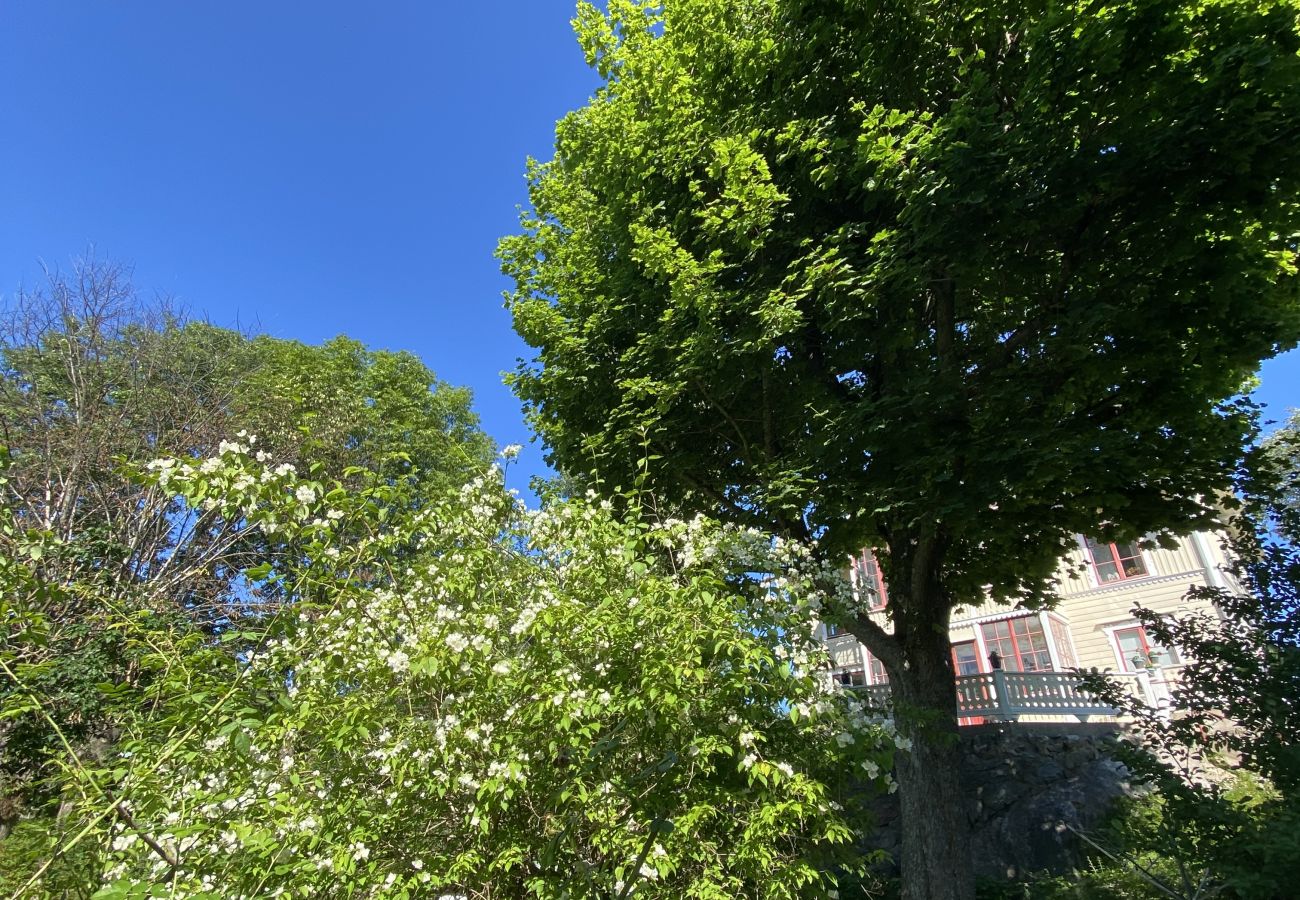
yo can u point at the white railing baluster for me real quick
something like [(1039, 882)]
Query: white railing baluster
[(1008, 695)]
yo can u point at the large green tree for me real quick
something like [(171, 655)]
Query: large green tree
[(96, 380), (953, 283)]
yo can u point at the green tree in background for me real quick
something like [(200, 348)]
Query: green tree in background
[(1224, 819), (955, 284), (95, 379), (1281, 454)]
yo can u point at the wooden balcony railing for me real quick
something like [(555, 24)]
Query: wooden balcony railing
[(1007, 696)]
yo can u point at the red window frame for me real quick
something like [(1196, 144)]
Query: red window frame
[(1147, 645), (867, 573), (876, 673), (1064, 641), (1015, 660), (956, 664), (1125, 566)]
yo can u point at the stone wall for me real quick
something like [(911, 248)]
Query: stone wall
[(1027, 783)]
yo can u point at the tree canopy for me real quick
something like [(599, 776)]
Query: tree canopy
[(957, 284), (869, 270), (96, 381)]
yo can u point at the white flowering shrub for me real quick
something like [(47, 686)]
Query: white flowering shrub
[(477, 700)]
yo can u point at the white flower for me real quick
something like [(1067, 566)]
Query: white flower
[(417, 864), (360, 851), (511, 451), (457, 641), (501, 668), (398, 661), (844, 738), (305, 493)]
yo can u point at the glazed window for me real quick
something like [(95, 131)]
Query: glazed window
[(1138, 651), (1064, 643), (1020, 642), (877, 669), (851, 677), (965, 658), (1115, 562), (864, 571)]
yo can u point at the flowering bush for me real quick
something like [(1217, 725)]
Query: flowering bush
[(478, 700)]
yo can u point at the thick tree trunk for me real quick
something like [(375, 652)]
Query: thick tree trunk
[(936, 851), (934, 826)]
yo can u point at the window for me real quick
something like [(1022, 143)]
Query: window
[(877, 668), (1115, 562), (865, 574), (833, 630), (1136, 650), (1021, 644), (965, 658), (1064, 644), (851, 677)]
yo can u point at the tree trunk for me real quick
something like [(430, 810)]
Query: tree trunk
[(936, 850)]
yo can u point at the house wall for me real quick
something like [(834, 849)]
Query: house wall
[(1088, 608)]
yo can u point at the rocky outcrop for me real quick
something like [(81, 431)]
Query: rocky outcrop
[(1029, 784)]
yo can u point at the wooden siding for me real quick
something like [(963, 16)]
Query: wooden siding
[(1089, 608)]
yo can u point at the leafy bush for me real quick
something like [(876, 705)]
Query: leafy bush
[(473, 699)]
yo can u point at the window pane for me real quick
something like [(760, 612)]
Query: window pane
[(1103, 561), (1132, 648), (1130, 559), (878, 674), (866, 576), (965, 658), (1032, 644), (851, 677), (1064, 646), (997, 637)]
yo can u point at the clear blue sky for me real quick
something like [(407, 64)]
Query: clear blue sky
[(312, 168)]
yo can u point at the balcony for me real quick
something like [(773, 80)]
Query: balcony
[(1007, 696)]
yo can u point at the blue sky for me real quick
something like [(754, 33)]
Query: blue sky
[(310, 169)]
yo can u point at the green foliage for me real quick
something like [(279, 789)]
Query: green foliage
[(1233, 710), (95, 382), (475, 699), (954, 283), (26, 848), (1280, 462), (890, 266)]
